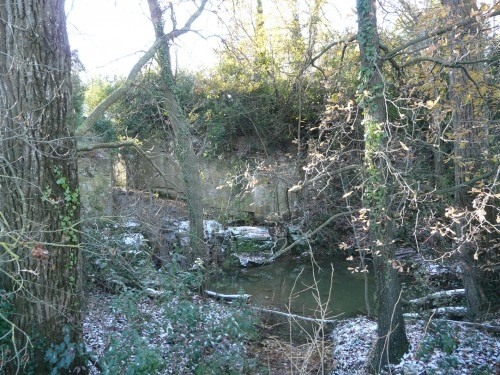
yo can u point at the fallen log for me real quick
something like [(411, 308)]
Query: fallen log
[(217, 296), (247, 297), (446, 294), (295, 316), (489, 328), (228, 297)]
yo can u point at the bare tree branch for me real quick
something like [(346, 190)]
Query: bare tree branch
[(98, 146), (99, 111), (187, 27), (324, 174), (396, 51), (116, 95), (331, 45), (455, 65), (310, 234), (452, 189)]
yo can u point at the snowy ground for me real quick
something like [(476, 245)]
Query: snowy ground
[(103, 322), (452, 349), (448, 349)]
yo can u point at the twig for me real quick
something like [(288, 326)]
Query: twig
[(295, 316)]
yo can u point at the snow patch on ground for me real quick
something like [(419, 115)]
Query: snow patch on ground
[(250, 233), (474, 352), (104, 321)]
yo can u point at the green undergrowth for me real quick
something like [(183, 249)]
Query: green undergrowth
[(179, 336), (161, 324), (444, 338)]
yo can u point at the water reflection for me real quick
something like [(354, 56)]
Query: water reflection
[(298, 285)]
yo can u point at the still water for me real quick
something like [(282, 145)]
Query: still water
[(298, 285)]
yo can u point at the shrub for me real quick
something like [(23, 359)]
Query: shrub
[(160, 324), (62, 356), (440, 336), (179, 335), (117, 258)]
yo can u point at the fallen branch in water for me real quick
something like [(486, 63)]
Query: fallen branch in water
[(246, 298), (308, 235), (228, 297), (294, 316)]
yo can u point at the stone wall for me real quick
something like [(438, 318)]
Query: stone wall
[(245, 188), (96, 183), (252, 187)]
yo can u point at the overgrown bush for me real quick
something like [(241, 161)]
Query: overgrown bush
[(62, 356), (117, 257), (178, 335), (440, 336), (164, 325)]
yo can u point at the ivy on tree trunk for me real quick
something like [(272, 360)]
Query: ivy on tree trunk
[(39, 197), (392, 342)]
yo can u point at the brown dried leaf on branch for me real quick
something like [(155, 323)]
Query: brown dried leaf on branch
[(38, 252)]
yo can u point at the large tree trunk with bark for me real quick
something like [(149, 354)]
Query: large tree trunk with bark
[(184, 151), (377, 195), (468, 139), (39, 202)]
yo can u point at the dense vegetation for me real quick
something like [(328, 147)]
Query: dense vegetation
[(394, 129), (282, 88)]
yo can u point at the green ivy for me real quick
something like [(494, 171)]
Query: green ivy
[(61, 356), (6, 327), (71, 202), (440, 336)]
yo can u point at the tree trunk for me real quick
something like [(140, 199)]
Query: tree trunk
[(467, 147), (39, 201), (377, 198), (184, 151)]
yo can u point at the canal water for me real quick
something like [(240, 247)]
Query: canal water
[(299, 285)]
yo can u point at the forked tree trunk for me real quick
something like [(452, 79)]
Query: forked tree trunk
[(39, 202), (392, 342)]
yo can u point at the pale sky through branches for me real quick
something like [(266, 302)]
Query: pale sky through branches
[(109, 38), (111, 35)]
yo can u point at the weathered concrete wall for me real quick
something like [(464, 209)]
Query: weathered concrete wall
[(234, 186), (96, 183), (245, 188), (142, 175)]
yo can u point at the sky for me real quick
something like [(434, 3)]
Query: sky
[(107, 37), (111, 35)]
